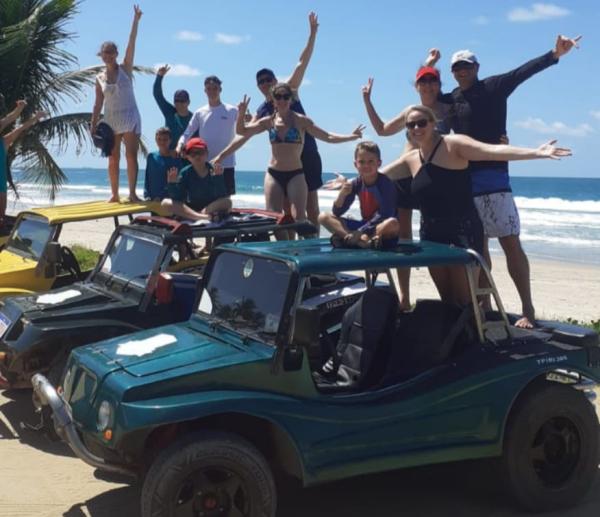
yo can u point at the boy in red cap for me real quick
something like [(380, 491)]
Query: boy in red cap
[(197, 191)]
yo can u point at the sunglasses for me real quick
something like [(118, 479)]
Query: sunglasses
[(264, 80), (282, 96), (422, 122), (182, 100), (196, 152), (463, 66), (428, 80)]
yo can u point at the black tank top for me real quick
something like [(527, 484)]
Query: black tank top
[(442, 192)]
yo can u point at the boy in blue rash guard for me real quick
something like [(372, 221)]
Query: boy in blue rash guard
[(377, 197), (158, 164), (177, 116), (197, 192)]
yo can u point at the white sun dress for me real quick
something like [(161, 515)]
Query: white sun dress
[(120, 109)]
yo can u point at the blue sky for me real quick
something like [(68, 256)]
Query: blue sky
[(384, 39)]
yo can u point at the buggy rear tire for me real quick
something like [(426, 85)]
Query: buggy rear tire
[(550, 456), (209, 473)]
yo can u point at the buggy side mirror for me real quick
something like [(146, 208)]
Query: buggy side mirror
[(292, 359), (53, 253), (164, 289)]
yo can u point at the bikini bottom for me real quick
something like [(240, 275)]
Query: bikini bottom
[(282, 178)]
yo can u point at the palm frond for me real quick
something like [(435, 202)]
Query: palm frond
[(39, 167)]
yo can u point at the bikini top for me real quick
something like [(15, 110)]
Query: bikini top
[(442, 192), (292, 135)]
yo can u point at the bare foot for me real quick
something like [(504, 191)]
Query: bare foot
[(525, 323), (114, 199), (133, 199)]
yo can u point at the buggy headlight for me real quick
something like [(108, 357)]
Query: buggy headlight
[(105, 414)]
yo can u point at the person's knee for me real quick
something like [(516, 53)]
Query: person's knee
[(511, 244), (324, 217), (167, 204)]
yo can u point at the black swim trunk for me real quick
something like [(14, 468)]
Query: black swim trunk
[(464, 232), (282, 178), (313, 170), (229, 177), (404, 198)]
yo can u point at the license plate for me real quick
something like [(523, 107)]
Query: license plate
[(4, 323)]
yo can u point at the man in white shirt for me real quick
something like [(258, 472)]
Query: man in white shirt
[(215, 124)]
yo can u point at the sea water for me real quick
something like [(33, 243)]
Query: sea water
[(560, 217)]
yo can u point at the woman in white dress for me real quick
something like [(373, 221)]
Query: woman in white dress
[(114, 90)]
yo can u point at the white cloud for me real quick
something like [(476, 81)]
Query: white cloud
[(555, 128), (230, 39), (189, 36), (537, 12), (481, 20), (595, 114), (181, 70)]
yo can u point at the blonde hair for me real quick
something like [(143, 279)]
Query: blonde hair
[(424, 110)]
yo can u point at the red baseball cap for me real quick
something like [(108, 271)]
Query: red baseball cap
[(195, 143), (427, 70)]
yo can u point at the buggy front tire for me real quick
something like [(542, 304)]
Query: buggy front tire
[(550, 456), (209, 473)]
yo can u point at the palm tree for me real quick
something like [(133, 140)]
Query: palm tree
[(35, 67)]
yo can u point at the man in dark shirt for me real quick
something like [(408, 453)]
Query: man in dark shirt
[(479, 110), (311, 159)]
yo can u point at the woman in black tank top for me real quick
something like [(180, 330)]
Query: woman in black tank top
[(442, 185)]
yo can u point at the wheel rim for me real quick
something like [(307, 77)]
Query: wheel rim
[(555, 451), (212, 491)]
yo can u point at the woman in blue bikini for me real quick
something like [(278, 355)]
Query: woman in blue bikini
[(286, 129)]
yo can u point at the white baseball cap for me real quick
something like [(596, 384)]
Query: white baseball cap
[(463, 55)]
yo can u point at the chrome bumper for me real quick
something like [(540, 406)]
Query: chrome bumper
[(65, 428)]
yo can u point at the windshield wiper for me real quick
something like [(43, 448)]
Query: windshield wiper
[(126, 284)]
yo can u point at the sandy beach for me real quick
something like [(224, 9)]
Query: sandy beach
[(560, 289)]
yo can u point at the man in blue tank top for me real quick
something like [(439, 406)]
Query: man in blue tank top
[(479, 110), (311, 159)]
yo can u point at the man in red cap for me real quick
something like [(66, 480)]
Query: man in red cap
[(197, 192)]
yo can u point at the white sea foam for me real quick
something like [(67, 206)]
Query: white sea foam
[(555, 203)]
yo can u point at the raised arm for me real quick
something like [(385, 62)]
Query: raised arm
[(295, 80), (381, 128), (433, 56), (130, 52), (11, 137), (255, 126), (165, 107), (98, 102), (332, 138), (474, 150), (13, 115)]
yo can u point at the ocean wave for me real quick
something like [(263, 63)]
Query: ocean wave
[(573, 242), (557, 204)]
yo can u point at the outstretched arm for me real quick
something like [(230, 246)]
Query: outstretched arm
[(398, 169), (381, 128), (130, 52), (13, 115), (295, 80), (326, 136), (474, 150), (237, 142), (11, 137)]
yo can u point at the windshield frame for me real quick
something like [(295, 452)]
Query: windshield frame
[(29, 217), (103, 277), (280, 337)]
